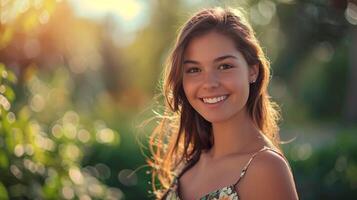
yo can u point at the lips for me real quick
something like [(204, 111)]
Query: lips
[(214, 100)]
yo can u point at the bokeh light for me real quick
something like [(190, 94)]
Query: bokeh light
[(77, 75)]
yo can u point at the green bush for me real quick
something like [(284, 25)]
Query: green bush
[(329, 172), (41, 160)]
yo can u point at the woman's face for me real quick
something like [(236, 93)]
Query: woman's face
[(216, 77)]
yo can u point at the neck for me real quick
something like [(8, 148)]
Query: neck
[(235, 135)]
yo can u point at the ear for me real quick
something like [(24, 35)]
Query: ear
[(253, 73)]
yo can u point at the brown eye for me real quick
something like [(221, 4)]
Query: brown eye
[(224, 66), (193, 70)]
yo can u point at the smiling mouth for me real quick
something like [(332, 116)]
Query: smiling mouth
[(213, 100)]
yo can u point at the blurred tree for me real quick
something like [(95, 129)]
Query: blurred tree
[(42, 161), (42, 140), (316, 34), (329, 172), (148, 52), (351, 99)]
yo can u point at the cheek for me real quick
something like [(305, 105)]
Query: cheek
[(235, 81), (188, 88), (243, 87), (244, 92), (239, 86)]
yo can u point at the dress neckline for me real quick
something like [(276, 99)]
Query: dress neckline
[(229, 190), (232, 186)]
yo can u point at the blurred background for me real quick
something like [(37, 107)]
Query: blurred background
[(77, 78)]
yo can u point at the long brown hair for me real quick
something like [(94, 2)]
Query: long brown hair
[(182, 133)]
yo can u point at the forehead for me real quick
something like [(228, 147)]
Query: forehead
[(210, 46)]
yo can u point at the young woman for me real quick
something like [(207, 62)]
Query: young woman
[(218, 138)]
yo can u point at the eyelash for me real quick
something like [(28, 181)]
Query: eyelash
[(226, 66), (196, 69)]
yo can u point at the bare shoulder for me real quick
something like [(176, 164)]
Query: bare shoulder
[(268, 177)]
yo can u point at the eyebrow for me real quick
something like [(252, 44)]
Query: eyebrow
[(215, 60)]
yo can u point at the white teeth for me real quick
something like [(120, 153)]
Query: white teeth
[(214, 99)]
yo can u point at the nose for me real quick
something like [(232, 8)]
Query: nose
[(211, 81)]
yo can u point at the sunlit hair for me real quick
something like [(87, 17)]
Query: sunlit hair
[(182, 133)]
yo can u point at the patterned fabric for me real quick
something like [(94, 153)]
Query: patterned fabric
[(225, 193)]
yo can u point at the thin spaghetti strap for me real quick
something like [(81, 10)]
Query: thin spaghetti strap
[(248, 163), (250, 160)]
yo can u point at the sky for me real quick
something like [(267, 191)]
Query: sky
[(129, 14)]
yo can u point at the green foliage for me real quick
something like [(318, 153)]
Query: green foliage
[(42, 161), (330, 172), (53, 147)]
